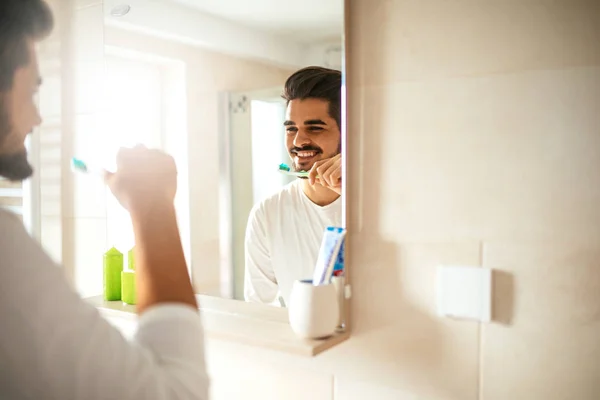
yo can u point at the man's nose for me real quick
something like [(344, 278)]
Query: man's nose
[(301, 139)]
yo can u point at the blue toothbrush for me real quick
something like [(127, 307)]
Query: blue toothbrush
[(285, 169), (78, 165)]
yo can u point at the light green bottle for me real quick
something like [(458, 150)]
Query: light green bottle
[(128, 286), (130, 259), (113, 266)]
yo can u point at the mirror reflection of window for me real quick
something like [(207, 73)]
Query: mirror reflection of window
[(258, 147), (143, 105), (268, 147), (134, 110)]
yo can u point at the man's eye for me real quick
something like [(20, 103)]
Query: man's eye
[(315, 129), (291, 130)]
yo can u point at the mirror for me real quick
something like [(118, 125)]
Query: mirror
[(204, 80)]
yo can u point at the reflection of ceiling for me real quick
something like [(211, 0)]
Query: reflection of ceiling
[(305, 21), (272, 31)]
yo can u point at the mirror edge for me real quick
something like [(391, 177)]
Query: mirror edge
[(347, 295)]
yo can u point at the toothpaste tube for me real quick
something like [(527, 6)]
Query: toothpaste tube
[(338, 268), (331, 244)]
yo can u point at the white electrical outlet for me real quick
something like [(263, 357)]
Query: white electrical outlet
[(464, 292)]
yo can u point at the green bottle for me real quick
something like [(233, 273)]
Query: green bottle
[(113, 266), (128, 286), (130, 259)]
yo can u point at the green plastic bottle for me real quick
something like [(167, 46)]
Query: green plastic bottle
[(131, 259), (113, 266), (128, 286)]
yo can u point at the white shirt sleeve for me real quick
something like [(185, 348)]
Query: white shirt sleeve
[(260, 284), (54, 345)]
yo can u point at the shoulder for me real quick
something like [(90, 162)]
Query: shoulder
[(16, 244), (10, 223)]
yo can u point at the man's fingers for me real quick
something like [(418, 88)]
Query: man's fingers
[(336, 177), (107, 176), (322, 171), (326, 177), (312, 176), (326, 165), (329, 168)]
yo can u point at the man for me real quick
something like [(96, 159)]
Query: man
[(284, 231), (53, 345)]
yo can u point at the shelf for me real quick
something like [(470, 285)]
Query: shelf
[(240, 322)]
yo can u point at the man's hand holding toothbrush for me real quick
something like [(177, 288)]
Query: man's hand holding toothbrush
[(328, 173), (145, 183)]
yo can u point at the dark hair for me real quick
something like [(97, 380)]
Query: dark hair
[(20, 20), (317, 83)]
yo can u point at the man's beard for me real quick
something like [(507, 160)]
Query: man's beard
[(15, 167), (294, 150), (318, 150)]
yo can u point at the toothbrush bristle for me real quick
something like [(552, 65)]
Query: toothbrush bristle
[(79, 165), (284, 167)]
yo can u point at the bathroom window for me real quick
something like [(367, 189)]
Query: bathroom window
[(133, 116), (268, 147), (145, 100)]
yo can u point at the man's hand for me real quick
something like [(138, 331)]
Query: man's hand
[(143, 177), (145, 183), (328, 173)]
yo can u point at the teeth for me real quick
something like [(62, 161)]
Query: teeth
[(305, 153)]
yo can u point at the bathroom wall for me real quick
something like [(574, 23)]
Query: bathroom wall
[(474, 139)]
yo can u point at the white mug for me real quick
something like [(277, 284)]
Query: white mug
[(314, 311)]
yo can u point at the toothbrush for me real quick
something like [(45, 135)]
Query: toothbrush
[(285, 169), (81, 166)]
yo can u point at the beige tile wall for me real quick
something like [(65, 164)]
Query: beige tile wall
[(547, 342), (475, 139)]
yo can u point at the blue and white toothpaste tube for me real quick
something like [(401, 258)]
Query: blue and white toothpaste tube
[(338, 268), (328, 255)]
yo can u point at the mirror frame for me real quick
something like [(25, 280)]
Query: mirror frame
[(256, 324)]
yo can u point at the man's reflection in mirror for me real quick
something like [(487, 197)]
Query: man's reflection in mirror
[(284, 231)]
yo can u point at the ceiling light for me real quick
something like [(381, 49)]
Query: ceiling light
[(120, 10)]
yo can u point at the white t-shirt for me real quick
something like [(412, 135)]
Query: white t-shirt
[(283, 238), (54, 345)]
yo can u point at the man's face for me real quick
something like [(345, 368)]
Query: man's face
[(311, 133), (18, 116)]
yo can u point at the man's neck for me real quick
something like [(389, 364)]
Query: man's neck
[(318, 194)]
